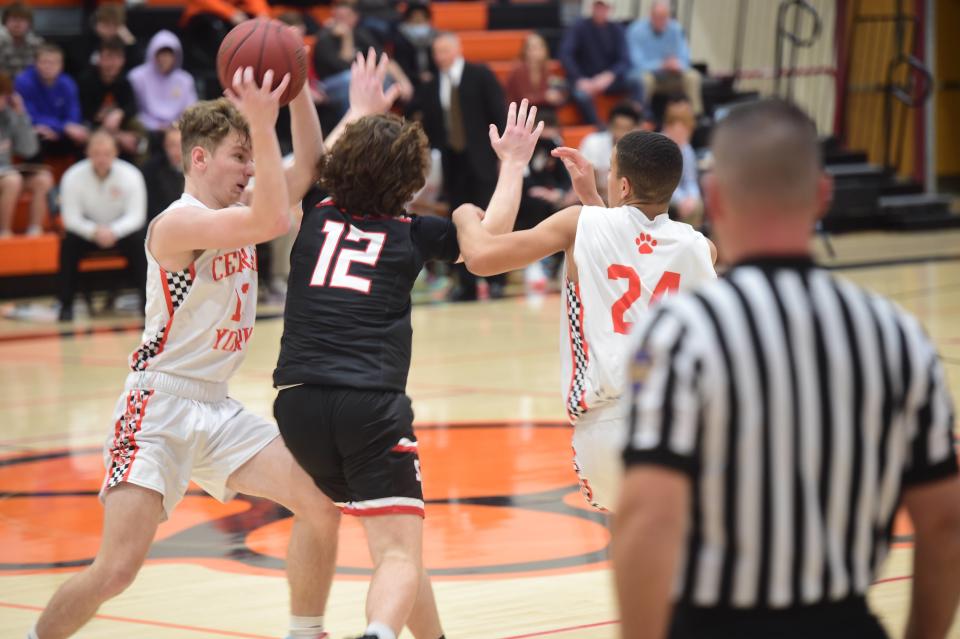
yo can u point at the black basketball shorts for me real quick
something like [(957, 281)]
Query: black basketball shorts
[(358, 445)]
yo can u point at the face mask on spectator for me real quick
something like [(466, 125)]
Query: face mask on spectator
[(416, 32)]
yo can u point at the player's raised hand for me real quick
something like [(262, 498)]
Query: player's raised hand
[(520, 136), (258, 104), (582, 175), (367, 75)]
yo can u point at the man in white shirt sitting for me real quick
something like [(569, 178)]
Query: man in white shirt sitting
[(103, 206)]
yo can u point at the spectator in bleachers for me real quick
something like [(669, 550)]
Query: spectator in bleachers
[(53, 102), (594, 55), (413, 44), (107, 101), (660, 57), (18, 137), (18, 42), (109, 23), (164, 174), (530, 77), (205, 23), (104, 206), (456, 109), (162, 89), (597, 147), (336, 48), (686, 204)]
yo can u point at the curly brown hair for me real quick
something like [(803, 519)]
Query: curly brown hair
[(376, 166), (207, 123)]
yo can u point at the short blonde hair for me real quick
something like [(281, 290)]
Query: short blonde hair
[(207, 124)]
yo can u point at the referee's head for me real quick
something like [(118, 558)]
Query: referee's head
[(768, 179)]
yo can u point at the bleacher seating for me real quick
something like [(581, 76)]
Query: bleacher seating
[(499, 48)]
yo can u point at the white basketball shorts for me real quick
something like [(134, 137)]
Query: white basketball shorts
[(598, 440), (169, 430)]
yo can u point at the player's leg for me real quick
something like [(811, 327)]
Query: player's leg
[(597, 444), (424, 619), (131, 516), (273, 473), (382, 469), (396, 546)]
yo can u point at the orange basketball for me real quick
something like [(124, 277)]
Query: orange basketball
[(264, 44)]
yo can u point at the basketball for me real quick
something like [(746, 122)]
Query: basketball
[(264, 44)]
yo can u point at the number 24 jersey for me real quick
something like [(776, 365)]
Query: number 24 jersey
[(625, 263)]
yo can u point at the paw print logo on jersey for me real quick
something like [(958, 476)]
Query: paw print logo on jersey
[(645, 243)]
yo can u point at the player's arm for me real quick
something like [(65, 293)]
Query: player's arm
[(514, 149), (307, 145), (367, 96), (583, 177), (488, 254), (191, 228)]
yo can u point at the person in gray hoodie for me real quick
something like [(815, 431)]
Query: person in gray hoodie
[(162, 88), (18, 137)]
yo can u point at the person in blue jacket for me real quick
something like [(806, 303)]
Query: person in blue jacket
[(53, 102)]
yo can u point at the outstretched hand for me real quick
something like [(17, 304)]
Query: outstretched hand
[(367, 75), (582, 175), (519, 137), (257, 103)]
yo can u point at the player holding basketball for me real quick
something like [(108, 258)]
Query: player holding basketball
[(174, 421), (619, 261), (346, 347)]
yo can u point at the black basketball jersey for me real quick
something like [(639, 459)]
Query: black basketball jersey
[(347, 316)]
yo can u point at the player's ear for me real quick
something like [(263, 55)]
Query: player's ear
[(198, 157), (625, 189)]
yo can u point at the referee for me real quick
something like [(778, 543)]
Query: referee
[(779, 417)]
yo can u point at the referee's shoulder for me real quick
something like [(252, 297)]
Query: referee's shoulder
[(884, 307)]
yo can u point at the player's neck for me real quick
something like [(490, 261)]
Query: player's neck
[(205, 195), (651, 211)]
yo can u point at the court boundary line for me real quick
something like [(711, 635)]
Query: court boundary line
[(544, 633), (148, 622)]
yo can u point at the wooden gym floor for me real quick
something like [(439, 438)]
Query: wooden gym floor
[(514, 551)]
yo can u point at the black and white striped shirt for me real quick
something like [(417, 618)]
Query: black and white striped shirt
[(800, 406)]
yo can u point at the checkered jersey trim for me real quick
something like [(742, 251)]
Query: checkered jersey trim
[(579, 353), (177, 287), (124, 449)]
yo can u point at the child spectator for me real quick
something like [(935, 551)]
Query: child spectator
[(164, 174), (109, 22), (162, 89), (18, 42), (53, 102), (106, 99), (686, 205), (413, 42)]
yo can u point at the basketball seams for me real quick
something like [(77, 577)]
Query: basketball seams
[(277, 49), (233, 54)]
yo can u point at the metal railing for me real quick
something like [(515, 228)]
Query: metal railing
[(792, 36)]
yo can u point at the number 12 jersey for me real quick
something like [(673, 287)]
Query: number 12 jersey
[(347, 314), (625, 262)]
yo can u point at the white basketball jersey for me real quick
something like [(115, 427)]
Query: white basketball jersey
[(625, 263), (199, 320)]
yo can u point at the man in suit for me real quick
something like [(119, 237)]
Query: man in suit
[(457, 108)]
